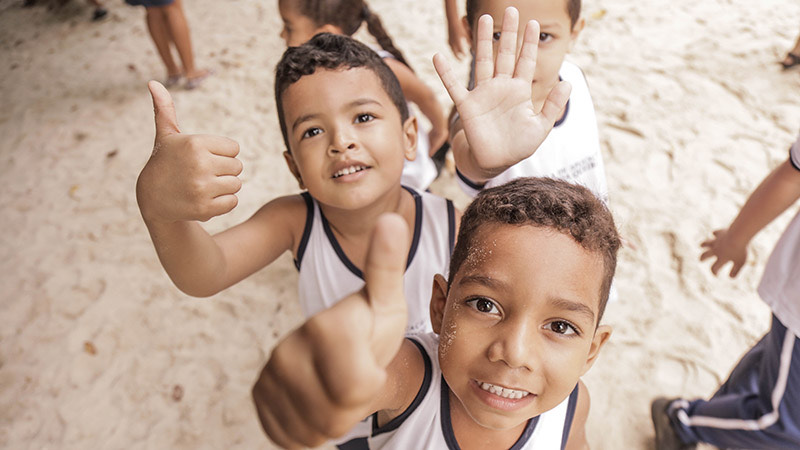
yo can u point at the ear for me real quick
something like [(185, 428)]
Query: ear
[(287, 156), (576, 30), (468, 27), (601, 335), (438, 302), (410, 138)]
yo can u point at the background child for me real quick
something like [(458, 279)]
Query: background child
[(303, 19), (572, 149), (347, 132), (515, 335), (759, 404)]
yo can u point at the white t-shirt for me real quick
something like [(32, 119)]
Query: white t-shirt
[(780, 285), (571, 151), (327, 275), (426, 424)]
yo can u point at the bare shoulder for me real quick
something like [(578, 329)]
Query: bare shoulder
[(281, 219), (405, 375)]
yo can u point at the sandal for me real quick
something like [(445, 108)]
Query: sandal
[(194, 83), (172, 80), (790, 61)]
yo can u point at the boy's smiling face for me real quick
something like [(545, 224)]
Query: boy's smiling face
[(518, 326), (556, 38), (347, 141)]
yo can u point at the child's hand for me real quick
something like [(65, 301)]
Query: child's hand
[(724, 248), (188, 177), (324, 377), (498, 116)]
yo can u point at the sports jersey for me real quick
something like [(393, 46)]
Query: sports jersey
[(780, 285), (426, 424), (327, 275), (571, 151)]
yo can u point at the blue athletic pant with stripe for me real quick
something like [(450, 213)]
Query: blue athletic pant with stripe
[(757, 407)]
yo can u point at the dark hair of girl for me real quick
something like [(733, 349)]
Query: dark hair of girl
[(348, 15)]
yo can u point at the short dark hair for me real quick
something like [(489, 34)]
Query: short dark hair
[(331, 52), (549, 203), (573, 9)]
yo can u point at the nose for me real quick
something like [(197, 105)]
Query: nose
[(342, 140), (515, 345)]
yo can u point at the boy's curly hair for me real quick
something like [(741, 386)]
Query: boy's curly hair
[(332, 52), (573, 9), (549, 203)]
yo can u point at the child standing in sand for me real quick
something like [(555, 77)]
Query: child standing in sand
[(514, 334), (759, 404), (303, 19), (347, 132), (572, 149)]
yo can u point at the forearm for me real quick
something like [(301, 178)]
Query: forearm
[(451, 11), (190, 256), (779, 190)]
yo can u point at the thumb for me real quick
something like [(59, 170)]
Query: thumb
[(556, 102), (386, 263), (164, 110)]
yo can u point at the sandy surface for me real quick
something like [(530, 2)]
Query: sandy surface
[(99, 350)]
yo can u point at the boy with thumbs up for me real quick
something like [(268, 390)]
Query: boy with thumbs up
[(512, 335), (347, 132)]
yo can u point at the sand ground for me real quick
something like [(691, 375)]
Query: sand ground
[(99, 350)]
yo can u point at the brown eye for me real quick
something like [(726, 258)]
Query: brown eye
[(483, 305), (561, 327)]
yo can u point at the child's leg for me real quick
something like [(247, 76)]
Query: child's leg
[(759, 404), (157, 26), (179, 31)]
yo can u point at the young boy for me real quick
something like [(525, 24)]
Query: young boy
[(347, 133), (572, 150), (759, 405), (514, 334)]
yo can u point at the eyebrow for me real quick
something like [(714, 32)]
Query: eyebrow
[(571, 305), (354, 103), (482, 279)]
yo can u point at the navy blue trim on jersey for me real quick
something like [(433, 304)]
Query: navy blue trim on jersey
[(573, 403), (301, 249), (355, 444), (795, 164), (451, 224), (450, 436), (468, 182), (426, 384), (414, 242), (417, 225)]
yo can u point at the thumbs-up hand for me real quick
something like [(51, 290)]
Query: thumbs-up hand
[(325, 376), (188, 177)]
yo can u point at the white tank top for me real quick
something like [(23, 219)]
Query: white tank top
[(426, 423), (327, 275)]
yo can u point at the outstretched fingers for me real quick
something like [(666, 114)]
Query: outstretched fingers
[(555, 103), (456, 91), (507, 48), (484, 58), (526, 64)]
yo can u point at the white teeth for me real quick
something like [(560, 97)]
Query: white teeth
[(503, 392), (348, 171)]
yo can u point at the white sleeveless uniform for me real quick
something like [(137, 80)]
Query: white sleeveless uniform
[(571, 151), (419, 173), (327, 275), (426, 425)]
